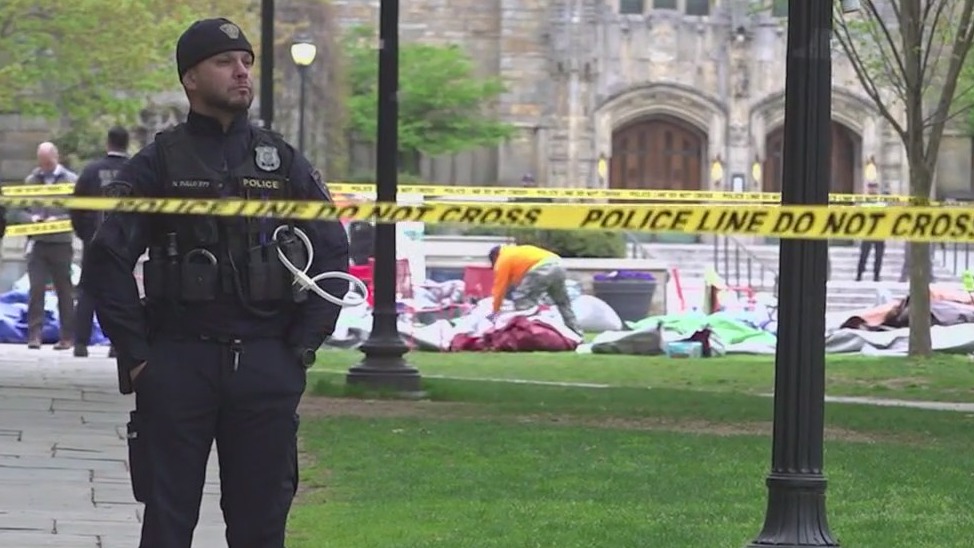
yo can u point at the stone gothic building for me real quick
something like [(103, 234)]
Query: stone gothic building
[(662, 91)]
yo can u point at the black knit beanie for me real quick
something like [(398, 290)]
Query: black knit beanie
[(206, 38)]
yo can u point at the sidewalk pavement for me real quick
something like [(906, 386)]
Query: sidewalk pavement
[(64, 479)]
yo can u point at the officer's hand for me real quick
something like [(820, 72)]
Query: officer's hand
[(35, 218), (136, 371), (52, 218)]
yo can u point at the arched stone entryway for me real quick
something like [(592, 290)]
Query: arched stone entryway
[(846, 151), (846, 147), (658, 152)]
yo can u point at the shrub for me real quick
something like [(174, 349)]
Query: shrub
[(575, 243)]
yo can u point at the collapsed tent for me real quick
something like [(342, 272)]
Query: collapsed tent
[(884, 330), (13, 315), (467, 327), (438, 319)]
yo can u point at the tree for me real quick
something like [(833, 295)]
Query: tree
[(92, 63), (442, 105), (967, 77), (909, 56)]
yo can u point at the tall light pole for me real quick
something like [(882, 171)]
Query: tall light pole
[(796, 515), (266, 63), (303, 53), (383, 366)]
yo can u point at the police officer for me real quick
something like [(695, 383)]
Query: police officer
[(94, 177), (220, 347)]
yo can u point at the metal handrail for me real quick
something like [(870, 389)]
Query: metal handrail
[(633, 241), (741, 254), (955, 256)]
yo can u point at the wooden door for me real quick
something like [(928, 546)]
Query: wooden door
[(661, 153), (845, 150)]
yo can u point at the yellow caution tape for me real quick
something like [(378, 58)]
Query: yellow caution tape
[(16, 189), (34, 229), (917, 224), (610, 194)]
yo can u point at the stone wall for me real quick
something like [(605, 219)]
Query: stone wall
[(578, 69), (19, 137)]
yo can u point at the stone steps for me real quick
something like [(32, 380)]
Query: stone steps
[(844, 293)]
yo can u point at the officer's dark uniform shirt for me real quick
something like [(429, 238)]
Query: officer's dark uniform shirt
[(94, 177), (123, 237)]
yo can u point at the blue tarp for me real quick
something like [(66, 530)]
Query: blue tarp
[(13, 320)]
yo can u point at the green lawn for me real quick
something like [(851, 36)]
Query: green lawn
[(491, 464), (942, 378)]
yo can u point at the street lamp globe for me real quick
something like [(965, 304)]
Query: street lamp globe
[(303, 53)]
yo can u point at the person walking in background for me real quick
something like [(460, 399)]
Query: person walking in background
[(49, 256), (533, 272), (94, 177), (866, 245)]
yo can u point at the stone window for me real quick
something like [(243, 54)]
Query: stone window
[(698, 7), (666, 4), (779, 8), (632, 7)]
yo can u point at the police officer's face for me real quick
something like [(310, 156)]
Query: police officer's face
[(223, 81)]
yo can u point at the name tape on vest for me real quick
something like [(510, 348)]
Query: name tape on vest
[(918, 224), (612, 194)]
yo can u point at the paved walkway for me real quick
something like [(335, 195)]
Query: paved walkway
[(63, 457)]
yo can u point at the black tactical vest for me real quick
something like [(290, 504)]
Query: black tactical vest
[(198, 259)]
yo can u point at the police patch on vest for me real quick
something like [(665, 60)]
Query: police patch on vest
[(267, 158), (118, 189), (261, 184)]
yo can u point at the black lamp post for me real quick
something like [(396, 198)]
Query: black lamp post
[(796, 513), (266, 63), (383, 367), (303, 53)]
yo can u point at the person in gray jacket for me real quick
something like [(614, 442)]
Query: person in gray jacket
[(49, 256)]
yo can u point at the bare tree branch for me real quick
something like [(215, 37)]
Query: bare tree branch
[(881, 33), (961, 47), (954, 114), (862, 73), (955, 109), (931, 45)]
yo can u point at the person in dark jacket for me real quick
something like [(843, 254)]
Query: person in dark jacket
[(220, 347), (49, 256), (94, 178)]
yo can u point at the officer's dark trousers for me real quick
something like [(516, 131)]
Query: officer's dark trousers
[(187, 396), (84, 314)]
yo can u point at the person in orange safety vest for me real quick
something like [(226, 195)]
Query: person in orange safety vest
[(533, 272)]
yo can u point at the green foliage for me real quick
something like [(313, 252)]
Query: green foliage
[(575, 243), (566, 243), (441, 102), (92, 63)]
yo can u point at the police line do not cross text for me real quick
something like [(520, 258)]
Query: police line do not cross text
[(910, 223)]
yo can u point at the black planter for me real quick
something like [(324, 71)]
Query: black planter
[(630, 299)]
